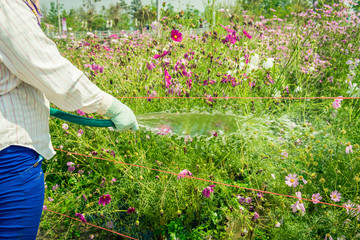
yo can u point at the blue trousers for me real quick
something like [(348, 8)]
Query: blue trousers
[(21, 193)]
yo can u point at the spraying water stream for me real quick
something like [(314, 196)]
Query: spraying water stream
[(221, 124)]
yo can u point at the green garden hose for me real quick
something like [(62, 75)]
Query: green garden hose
[(81, 120)]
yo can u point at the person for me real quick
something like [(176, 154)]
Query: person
[(32, 74)]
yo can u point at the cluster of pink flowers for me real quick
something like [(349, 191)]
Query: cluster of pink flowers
[(206, 191), (337, 103)]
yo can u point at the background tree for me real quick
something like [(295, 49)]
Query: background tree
[(144, 16), (135, 6), (117, 12)]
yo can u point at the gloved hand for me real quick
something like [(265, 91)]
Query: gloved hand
[(122, 116)]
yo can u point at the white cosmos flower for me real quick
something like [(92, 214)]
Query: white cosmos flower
[(269, 63), (298, 89), (277, 94), (254, 63), (354, 91)]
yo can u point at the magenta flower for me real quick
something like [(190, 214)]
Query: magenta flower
[(349, 149), (206, 191), (228, 29), (176, 35), (260, 195), (184, 172), (247, 34), (336, 103), (131, 210), (167, 79), (156, 56), (91, 236), (44, 208), (81, 113), (292, 180), (71, 167), (82, 218), (299, 204), (97, 68), (104, 199), (316, 198), (230, 38), (241, 199), (335, 196), (256, 216)]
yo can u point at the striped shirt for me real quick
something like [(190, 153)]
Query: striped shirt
[(32, 74)]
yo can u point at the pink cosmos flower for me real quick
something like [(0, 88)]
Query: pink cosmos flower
[(304, 181), (299, 204), (104, 199), (80, 132), (167, 79), (131, 210), (316, 198), (349, 209), (176, 35), (349, 149), (110, 224), (113, 180), (156, 56), (328, 236), (336, 103), (44, 208), (335, 196), (284, 155), (292, 180), (82, 218), (256, 216), (150, 66), (206, 191), (65, 126), (56, 186), (184, 172), (163, 130)]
